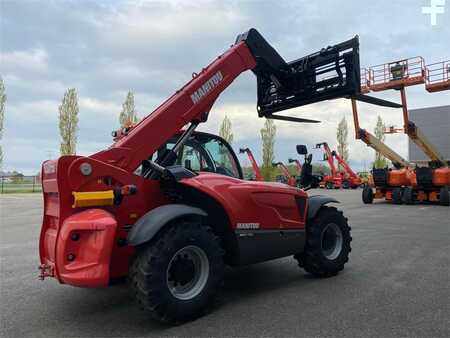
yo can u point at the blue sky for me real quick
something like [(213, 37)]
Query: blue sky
[(104, 49)]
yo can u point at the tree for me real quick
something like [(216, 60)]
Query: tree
[(128, 114), (68, 122), (2, 115), (226, 133), (380, 160), (268, 134), (225, 130), (342, 136)]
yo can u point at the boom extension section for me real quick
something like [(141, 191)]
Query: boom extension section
[(416, 135), (345, 165), (363, 135)]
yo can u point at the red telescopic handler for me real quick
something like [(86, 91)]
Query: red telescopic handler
[(168, 207)]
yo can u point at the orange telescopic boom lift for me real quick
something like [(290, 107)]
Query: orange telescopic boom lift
[(426, 183), (256, 170), (388, 183)]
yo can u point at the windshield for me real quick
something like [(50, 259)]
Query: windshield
[(204, 152)]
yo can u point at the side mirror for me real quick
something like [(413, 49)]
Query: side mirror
[(291, 160), (301, 149)]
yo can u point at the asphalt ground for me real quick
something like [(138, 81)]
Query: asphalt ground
[(396, 284)]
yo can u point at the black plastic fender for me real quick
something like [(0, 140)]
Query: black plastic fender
[(154, 220), (316, 202)]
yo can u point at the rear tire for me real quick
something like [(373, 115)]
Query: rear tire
[(346, 185), (397, 195), (327, 243), (176, 276), (444, 198), (408, 196), (367, 195)]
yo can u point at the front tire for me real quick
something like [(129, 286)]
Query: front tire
[(327, 243), (367, 195), (408, 196), (444, 198), (176, 276), (397, 196)]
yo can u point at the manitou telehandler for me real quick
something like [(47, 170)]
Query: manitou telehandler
[(351, 179), (256, 170), (298, 165), (168, 207), (288, 178), (426, 183), (336, 179)]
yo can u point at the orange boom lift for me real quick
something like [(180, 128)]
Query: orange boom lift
[(388, 183), (430, 183)]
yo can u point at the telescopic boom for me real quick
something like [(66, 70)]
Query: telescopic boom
[(330, 73)]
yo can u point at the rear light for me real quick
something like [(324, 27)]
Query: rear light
[(49, 167)]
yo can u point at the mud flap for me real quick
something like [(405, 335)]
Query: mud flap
[(84, 248)]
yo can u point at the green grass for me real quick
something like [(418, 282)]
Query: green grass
[(9, 188)]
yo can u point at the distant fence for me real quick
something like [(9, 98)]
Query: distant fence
[(20, 184)]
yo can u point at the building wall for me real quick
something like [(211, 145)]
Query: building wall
[(434, 122)]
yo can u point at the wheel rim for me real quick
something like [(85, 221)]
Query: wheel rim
[(187, 272), (331, 241)]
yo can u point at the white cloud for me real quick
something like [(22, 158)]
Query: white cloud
[(151, 48), (90, 106), (34, 60)]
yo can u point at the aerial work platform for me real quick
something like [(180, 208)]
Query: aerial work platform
[(397, 74), (365, 81), (438, 76)]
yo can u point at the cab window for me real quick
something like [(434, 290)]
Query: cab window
[(203, 152), (223, 159)]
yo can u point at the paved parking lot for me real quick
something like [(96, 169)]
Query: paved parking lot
[(397, 283)]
